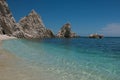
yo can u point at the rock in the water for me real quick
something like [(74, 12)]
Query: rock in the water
[(98, 36), (7, 22), (33, 27), (65, 32)]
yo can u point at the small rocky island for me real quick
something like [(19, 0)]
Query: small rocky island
[(97, 36), (30, 26)]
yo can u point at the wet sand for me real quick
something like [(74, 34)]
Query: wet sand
[(13, 67)]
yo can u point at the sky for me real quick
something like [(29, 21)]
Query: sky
[(85, 16)]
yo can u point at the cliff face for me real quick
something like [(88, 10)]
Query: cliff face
[(7, 22), (30, 26), (65, 32)]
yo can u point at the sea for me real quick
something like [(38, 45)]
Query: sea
[(68, 59)]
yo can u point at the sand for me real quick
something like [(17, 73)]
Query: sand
[(13, 67)]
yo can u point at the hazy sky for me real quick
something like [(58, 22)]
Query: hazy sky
[(85, 16)]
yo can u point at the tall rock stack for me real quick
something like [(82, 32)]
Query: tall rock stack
[(7, 22), (65, 32), (33, 26)]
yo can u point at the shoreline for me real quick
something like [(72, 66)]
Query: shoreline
[(4, 55), (5, 37), (13, 67)]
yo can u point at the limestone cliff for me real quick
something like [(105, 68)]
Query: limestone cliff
[(30, 26), (7, 22), (65, 32)]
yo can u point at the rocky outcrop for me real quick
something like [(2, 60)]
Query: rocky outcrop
[(7, 22), (33, 27), (98, 36), (65, 32), (30, 26)]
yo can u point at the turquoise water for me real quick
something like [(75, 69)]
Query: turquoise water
[(70, 59)]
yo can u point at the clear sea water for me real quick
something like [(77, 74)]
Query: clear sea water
[(70, 59)]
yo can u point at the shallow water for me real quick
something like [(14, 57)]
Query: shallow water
[(67, 59)]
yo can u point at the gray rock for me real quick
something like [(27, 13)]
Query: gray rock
[(7, 22), (1, 30), (33, 26), (30, 26), (97, 36), (49, 33), (65, 32)]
